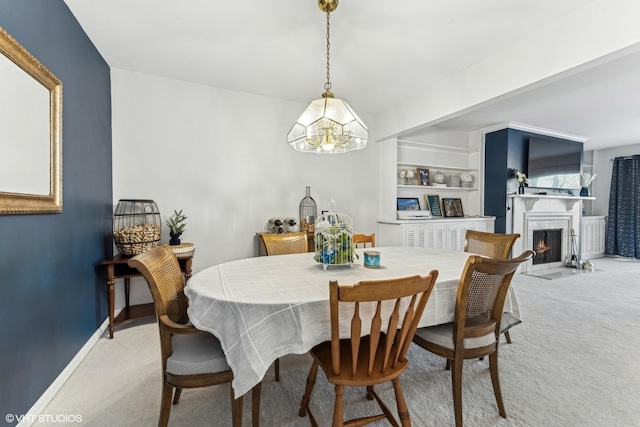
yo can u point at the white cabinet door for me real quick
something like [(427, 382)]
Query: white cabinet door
[(414, 237), (592, 243), (436, 236), (458, 231), (455, 237), (448, 235), (426, 236)]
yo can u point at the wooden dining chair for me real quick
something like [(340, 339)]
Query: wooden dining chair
[(368, 359), (363, 239), (494, 245), (190, 357), (282, 244), (285, 243), (475, 330)]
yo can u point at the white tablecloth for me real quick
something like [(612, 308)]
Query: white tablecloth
[(267, 307)]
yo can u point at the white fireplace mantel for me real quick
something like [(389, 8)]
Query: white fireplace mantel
[(531, 199), (530, 212)]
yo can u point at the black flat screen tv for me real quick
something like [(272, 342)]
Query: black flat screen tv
[(554, 164)]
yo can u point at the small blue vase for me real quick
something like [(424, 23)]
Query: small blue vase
[(584, 192)]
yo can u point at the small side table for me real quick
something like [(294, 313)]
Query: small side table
[(117, 268)]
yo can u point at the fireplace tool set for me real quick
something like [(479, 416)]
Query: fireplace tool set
[(572, 261)]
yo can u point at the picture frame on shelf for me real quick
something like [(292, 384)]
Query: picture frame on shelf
[(423, 176), (452, 207), (408, 204), (433, 202)]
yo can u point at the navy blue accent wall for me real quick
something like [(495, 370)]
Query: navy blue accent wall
[(495, 175), (518, 151), (52, 293), (504, 150)]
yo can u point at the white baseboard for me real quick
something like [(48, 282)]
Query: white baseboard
[(30, 417)]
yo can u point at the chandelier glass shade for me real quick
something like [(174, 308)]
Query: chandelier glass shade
[(328, 125)]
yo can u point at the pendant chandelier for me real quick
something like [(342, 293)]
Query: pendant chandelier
[(328, 125)]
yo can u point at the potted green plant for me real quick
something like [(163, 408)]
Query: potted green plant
[(176, 224)]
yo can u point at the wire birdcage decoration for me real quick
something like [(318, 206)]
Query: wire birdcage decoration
[(333, 238), (137, 226)]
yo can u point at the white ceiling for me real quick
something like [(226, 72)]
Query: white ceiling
[(381, 53), (601, 104)]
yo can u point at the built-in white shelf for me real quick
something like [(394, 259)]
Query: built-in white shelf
[(434, 187), (433, 167)]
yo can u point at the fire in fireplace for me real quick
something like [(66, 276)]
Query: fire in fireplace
[(547, 245)]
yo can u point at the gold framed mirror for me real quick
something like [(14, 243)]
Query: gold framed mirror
[(30, 132)]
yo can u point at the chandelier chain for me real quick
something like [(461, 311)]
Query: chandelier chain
[(327, 85), (328, 125)]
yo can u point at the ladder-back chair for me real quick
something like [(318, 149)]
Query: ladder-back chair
[(378, 356), (363, 239)]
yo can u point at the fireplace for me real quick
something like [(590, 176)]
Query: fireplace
[(554, 229), (547, 244), (557, 215)]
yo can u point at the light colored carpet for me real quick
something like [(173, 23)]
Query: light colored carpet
[(574, 361)]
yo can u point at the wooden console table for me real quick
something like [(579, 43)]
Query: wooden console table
[(117, 268)]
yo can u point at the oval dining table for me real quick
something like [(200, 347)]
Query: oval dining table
[(264, 308)]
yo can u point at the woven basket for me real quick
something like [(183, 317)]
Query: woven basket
[(183, 249)]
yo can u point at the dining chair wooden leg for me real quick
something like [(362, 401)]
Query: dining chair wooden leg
[(176, 395), (311, 382), (255, 404), (338, 419), (448, 365), (370, 392), (236, 410), (277, 368), (456, 383), (403, 410), (165, 405), (495, 380)]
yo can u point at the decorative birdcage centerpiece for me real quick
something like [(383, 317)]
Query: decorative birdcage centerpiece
[(333, 238)]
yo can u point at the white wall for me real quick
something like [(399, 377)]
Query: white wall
[(222, 157), (603, 166)]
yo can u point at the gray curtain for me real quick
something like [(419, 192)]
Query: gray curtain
[(623, 225)]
